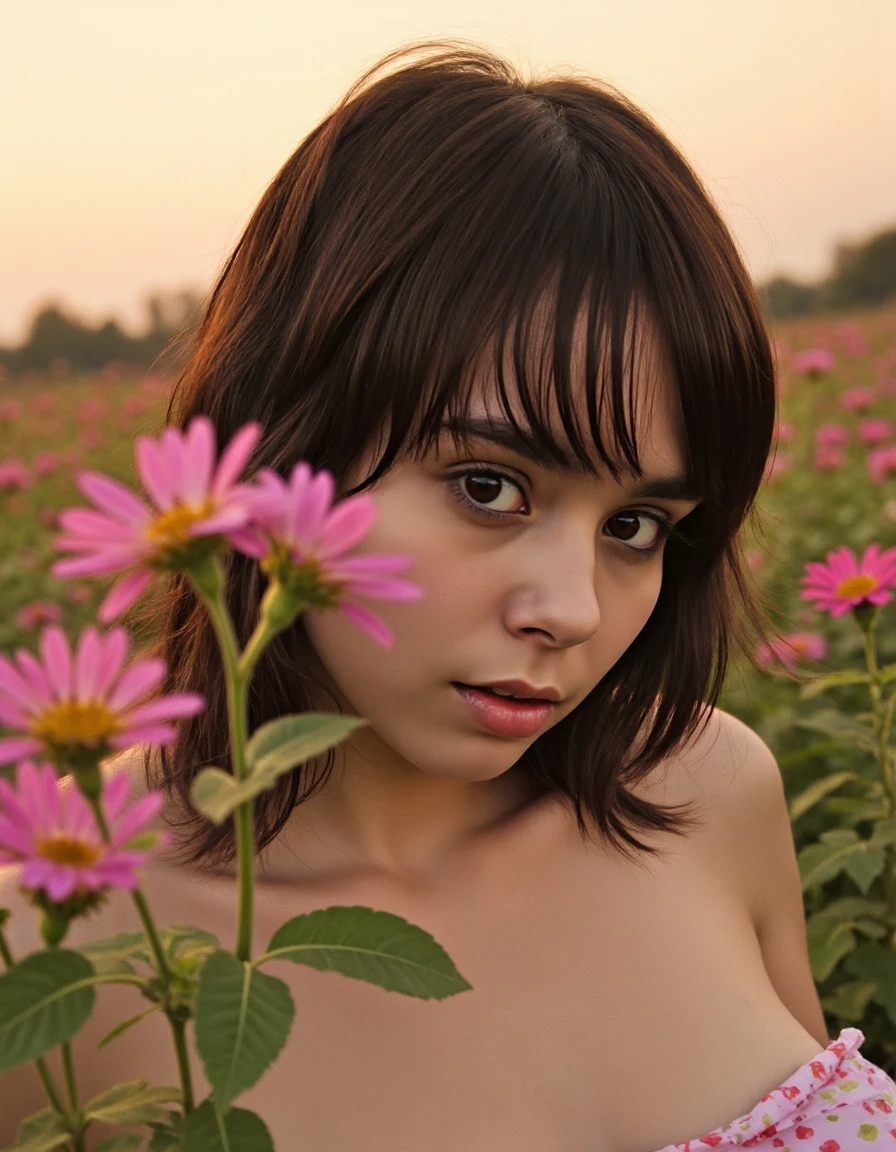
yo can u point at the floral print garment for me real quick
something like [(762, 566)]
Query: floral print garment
[(838, 1102)]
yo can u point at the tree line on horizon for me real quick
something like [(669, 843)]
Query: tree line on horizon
[(862, 274)]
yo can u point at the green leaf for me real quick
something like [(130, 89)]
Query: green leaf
[(284, 743), (887, 673), (215, 794), (41, 1133), (849, 907), (113, 953), (843, 728), (821, 862), (884, 833), (826, 948), (864, 865), (180, 940), (274, 749), (167, 1137), (377, 947), (205, 1130), (133, 1102), (129, 1143), (817, 791), (44, 999), (243, 1018), (832, 680), (850, 1000), (115, 1032), (870, 962)]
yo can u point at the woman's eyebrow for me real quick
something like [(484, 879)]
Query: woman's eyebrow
[(505, 435)]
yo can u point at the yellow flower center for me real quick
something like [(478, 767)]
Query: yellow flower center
[(61, 848), (171, 529), (859, 585), (85, 722)]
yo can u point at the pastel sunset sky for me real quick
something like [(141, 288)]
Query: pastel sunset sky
[(137, 137)]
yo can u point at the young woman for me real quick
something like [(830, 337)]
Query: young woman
[(508, 309)]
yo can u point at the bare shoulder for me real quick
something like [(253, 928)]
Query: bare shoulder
[(731, 779), (723, 763)]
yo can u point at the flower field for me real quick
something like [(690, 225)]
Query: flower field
[(829, 503)]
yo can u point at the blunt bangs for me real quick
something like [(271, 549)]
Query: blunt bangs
[(450, 218)]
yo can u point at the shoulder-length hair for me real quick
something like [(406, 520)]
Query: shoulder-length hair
[(420, 223)]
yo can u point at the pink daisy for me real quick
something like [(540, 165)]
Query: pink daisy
[(828, 457), (48, 828), (38, 612), (300, 540), (65, 707), (854, 399), (845, 582), (881, 463), (14, 474), (832, 435), (195, 506), (874, 430), (792, 648), (813, 362)]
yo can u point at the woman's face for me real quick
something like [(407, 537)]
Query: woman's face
[(550, 588)]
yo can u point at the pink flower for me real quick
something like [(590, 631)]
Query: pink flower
[(832, 434), (300, 541), (792, 648), (854, 399), (828, 457), (38, 612), (14, 475), (48, 828), (813, 362), (874, 430), (195, 506), (63, 706), (11, 410), (845, 582), (882, 462), (45, 462)]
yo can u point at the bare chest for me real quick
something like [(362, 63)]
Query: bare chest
[(613, 1009)]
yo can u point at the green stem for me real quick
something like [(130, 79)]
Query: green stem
[(163, 968), (881, 729), (69, 1070), (42, 1070), (179, 1030), (237, 673)]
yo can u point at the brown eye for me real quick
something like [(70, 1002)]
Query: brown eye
[(474, 489), (640, 531)]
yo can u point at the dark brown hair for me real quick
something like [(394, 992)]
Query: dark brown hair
[(418, 225)]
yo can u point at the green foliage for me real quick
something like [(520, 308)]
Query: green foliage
[(41, 1132), (377, 947), (206, 1130), (44, 999), (133, 1102), (275, 749), (243, 1018)]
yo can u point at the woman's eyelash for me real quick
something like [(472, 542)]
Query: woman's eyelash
[(455, 486)]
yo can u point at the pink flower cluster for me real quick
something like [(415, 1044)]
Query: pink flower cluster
[(196, 504)]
